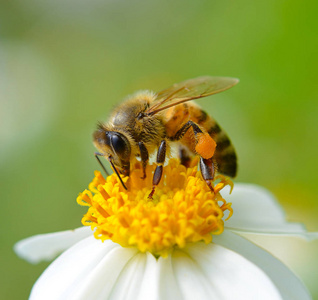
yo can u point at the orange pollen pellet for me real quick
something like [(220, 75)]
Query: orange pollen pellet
[(205, 145)]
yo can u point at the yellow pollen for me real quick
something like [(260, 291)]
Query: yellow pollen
[(183, 209)]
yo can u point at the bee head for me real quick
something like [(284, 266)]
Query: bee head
[(115, 147)]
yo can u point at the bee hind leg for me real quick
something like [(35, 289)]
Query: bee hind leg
[(161, 156), (207, 167), (204, 143)]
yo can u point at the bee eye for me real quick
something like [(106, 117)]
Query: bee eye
[(118, 144)]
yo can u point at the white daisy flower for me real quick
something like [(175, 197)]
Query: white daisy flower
[(171, 247)]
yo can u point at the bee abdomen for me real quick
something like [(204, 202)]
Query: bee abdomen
[(226, 161)]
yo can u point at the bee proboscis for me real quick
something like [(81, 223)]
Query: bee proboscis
[(147, 122)]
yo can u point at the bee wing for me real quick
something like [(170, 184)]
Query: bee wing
[(189, 90)]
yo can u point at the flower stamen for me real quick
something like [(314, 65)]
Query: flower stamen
[(183, 209)]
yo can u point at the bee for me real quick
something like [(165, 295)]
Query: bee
[(149, 122)]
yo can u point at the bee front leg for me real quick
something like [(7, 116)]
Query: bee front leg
[(161, 156), (144, 157), (207, 168)]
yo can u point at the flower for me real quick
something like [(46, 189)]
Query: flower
[(170, 247)]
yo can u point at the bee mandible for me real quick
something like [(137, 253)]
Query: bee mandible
[(147, 122)]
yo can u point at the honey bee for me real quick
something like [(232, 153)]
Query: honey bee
[(148, 122)]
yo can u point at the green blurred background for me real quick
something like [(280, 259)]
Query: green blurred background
[(65, 64)]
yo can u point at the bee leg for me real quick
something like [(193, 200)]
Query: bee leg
[(181, 132), (205, 145), (207, 168), (144, 157), (99, 161), (161, 155)]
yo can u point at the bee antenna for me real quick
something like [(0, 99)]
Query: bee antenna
[(116, 171), (100, 163)]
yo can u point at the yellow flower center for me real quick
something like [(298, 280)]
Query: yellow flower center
[(183, 209)]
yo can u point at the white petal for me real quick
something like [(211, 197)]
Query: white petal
[(214, 272), (138, 280), (88, 270), (47, 246), (99, 282), (168, 286), (289, 286), (257, 211), (95, 270)]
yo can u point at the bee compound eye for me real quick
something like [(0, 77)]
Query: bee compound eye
[(119, 145)]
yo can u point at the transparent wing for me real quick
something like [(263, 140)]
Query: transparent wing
[(189, 90)]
